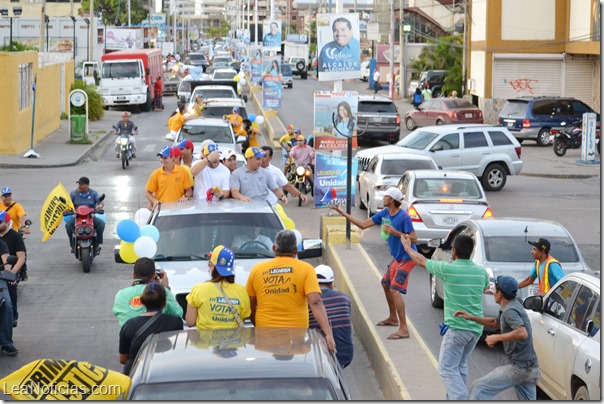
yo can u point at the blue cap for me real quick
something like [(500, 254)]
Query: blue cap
[(209, 149), (254, 152), (235, 109), (223, 259), (165, 152), (6, 190), (508, 285)]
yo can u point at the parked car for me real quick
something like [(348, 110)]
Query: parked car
[(441, 111), (378, 119), (365, 70), (299, 66), (223, 74), (489, 152), (500, 246), (383, 172), (566, 337), (437, 200), (259, 364), (533, 118), (171, 82), (436, 78), (287, 78)]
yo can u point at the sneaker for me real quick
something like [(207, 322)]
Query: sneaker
[(133, 155), (9, 351), (97, 250), (14, 323)]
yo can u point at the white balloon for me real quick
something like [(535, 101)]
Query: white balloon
[(259, 119), (241, 75), (141, 216), (298, 236), (145, 246), (242, 82)]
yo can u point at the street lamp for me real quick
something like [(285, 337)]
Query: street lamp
[(403, 89), (74, 40), (16, 13), (87, 21)]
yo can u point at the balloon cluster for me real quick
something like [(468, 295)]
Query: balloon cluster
[(240, 78), (287, 221), (137, 239), (259, 119)]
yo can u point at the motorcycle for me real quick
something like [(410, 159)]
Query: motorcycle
[(301, 178), (84, 242), (125, 147), (571, 139)]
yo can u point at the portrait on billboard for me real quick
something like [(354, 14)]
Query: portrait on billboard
[(272, 38), (340, 49)]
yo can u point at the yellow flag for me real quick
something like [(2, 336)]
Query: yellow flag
[(52, 211), (57, 379)]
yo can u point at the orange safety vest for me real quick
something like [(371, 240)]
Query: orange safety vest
[(544, 282)]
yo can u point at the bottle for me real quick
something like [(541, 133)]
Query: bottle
[(383, 234)]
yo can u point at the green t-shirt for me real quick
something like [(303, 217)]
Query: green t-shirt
[(463, 284), (128, 304)]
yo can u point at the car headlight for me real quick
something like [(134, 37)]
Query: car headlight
[(490, 290), (300, 170)]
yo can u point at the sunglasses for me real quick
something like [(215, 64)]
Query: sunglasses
[(7, 195)]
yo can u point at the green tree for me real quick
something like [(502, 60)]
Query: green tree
[(17, 47), (110, 8), (222, 30), (446, 53)]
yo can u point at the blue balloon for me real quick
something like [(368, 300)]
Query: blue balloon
[(151, 231), (101, 216), (128, 231), (251, 117)]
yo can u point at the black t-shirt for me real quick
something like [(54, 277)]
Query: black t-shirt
[(166, 322), (15, 243)]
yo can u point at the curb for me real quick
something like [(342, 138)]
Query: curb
[(560, 176)]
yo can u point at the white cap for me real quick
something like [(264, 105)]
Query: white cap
[(326, 272), (227, 154), (394, 193), (205, 143)]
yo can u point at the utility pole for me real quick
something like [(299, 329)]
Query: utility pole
[(256, 21), (91, 33), (42, 23), (174, 27), (464, 78), (391, 39), (401, 35), (129, 19)]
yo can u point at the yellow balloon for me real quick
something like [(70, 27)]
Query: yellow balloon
[(280, 211), (127, 252), (236, 79), (289, 224)]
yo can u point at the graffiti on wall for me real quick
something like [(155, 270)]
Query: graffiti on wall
[(521, 85)]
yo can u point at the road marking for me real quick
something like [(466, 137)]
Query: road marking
[(403, 389), (409, 323)]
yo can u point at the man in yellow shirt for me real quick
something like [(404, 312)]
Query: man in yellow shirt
[(15, 210), (282, 289), (286, 145), (169, 183), (236, 122)]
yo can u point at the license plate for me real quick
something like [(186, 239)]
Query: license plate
[(121, 98), (450, 220), (533, 290), (468, 115), (510, 124), (551, 138), (379, 119)]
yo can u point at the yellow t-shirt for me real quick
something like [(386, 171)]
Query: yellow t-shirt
[(286, 138), (188, 170), (169, 187), (280, 286), (212, 310), (15, 213), (237, 123), (176, 122)]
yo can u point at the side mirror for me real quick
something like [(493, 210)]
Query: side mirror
[(241, 139), (436, 148), (170, 137), (311, 248), (102, 198), (534, 303), (244, 97), (147, 71)]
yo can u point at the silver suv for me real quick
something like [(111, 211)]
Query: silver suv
[(491, 153)]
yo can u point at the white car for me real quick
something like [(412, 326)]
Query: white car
[(566, 337), (384, 171), (223, 74)]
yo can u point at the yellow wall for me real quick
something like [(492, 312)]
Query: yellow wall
[(15, 138)]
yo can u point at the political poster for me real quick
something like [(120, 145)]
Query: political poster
[(57, 202), (256, 64), (124, 38), (330, 179), (271, 81), (272, 38), (335, 119), (339, 47), (383, 53)]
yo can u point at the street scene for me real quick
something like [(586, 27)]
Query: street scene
[(427, 234)]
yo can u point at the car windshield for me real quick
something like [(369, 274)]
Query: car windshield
[(217, 93), (199, 133), (195, 235), (417, 140), (224, 75), (377, 107), (399, 167), (170, 76), (286, 69), (447, 188), (458, 103), (211, 111), (238, 389), (514, 108), (197, 57), (121, 70), (516, 249)]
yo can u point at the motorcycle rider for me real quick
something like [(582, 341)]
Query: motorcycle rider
[(18, 215), (87, 196), (126, 126), (302, 155), (6, 317), (16, 247), (287, 141)]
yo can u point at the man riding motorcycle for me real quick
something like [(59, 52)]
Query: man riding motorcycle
[(125, 126), (301, 155), (85, 195)]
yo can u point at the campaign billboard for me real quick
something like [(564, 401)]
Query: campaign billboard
[(271, 81), (256, 64), (330, 179), (335, 119), (272, 36), (339, 47), (123, 38)]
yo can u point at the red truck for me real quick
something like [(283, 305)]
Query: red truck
[(127, 77)]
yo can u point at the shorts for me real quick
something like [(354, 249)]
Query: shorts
[(397, 274)]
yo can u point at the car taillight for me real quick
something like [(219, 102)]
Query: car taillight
[(553, 131), (413, 214), (488, 213), (518, 151), (453, 114), (526, 124), (398, 119), (379, 187)]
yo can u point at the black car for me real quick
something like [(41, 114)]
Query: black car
[(198, 59), (262, 364), (378, 119), (436, 79)]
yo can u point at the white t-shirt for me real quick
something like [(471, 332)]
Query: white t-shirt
[(280, 180), (211, 177), (376, 75)]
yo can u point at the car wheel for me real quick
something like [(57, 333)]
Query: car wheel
[(439, 122), (436, 93), (300, 66), (410, 124), (435, 300), (494, 178), (581, 394), (290, 85), (543, 137)]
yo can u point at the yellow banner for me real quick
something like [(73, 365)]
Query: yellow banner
[(58, 201), (50, 379)]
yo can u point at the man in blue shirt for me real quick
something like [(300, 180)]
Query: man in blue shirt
[(273, 38), (395, 222), (343, 54), (87, 196)]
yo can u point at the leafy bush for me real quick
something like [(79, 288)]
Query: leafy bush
[(17, 47), (96, 105)]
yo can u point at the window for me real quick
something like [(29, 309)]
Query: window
[(558, 302), (499, 138), (372, 165), (448, 142), (377, 107), (499, 248), (582, 307), (25, 85), (581, 108), (474, 139)]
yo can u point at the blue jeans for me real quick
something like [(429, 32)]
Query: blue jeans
[(523, 380), (6, 318), (99, 226), (456, 348)]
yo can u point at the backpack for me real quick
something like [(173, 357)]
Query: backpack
[(417, 98)]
